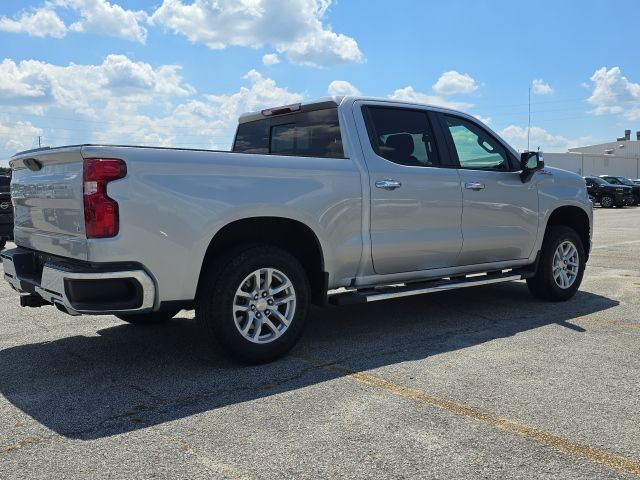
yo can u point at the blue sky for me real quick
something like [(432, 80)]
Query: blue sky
[(179, 72)]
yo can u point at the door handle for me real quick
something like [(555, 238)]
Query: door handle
[(388, 184), (473, 185)]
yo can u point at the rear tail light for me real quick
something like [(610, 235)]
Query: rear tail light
[(101, 217)]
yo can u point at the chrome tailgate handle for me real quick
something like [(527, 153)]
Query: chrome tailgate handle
[(388, 184), (473, 185)]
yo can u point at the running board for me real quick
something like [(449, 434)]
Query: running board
[(385, 293)]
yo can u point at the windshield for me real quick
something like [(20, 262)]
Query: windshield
[(625, 181), (597, 180)]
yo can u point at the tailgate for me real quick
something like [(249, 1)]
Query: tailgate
[(48, 201)]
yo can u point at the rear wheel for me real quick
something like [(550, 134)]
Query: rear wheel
[(254, 302), (606, 201), (561, 265), (151, 318), (636, 200)]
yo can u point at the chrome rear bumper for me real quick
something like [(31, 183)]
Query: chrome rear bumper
[(79, 287)]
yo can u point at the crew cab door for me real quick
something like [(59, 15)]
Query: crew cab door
[(499, 212), (416, 204)]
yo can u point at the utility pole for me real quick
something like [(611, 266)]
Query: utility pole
[(529, 126), (39, 143)]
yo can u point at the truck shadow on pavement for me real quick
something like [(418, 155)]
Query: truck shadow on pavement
[(127, 378)]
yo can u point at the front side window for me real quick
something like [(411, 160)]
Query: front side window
[(475, 148), (402, 136)]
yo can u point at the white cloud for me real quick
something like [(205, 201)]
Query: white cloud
[(263, 93), (453, 82), (485, 120), (43, 22), (517, 137), (342, 87), (125, 102), (95, 16), (293, 27), (100, 16), (87, 88), (17, 136), (540, 87), (209, 122), (408, 94), (614, 93), (270, 59)]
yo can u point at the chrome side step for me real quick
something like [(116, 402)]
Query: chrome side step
[(388, 292)]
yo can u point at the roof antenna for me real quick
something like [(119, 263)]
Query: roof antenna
[(529, 126)]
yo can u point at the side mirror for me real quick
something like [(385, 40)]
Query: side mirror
[(530, 163)]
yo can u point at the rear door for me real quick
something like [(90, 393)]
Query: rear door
[(48, 202), (416, 204), (499, 212)]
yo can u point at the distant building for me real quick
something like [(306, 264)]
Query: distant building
[(621, 157)]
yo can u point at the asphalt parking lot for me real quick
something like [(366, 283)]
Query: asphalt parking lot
[(480, 383)]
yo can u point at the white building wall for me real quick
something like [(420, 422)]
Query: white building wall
[(589, 164)]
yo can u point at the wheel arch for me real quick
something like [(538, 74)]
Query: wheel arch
[(575, 218), (291, 235)]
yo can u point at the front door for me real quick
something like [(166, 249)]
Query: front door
[(499, 212), (416, 206)]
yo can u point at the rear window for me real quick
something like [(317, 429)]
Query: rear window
[(305, 134)]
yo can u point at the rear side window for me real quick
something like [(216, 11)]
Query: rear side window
[(402, 136), (252, 137), (305, 134)]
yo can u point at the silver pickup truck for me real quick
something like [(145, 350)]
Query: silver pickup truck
[(341, 200)]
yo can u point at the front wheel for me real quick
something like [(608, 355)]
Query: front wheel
[(560, 267), (254, 302), (606, 201)]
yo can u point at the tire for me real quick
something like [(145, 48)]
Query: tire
[(636, 200), (152, 318), (254, 329), (544, 285), (606, 201)]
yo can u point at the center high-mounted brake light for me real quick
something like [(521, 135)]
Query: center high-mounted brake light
[(295, 107), (101, 216)]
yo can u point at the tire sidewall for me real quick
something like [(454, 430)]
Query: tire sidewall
[(218, 310)]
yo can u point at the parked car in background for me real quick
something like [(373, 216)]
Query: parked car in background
[(635, 189), (6, 211), (636, 181), (606, 194)]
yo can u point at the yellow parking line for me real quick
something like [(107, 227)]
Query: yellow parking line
[(577, 449), (615, 323)]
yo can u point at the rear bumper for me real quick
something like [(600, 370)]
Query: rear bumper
[(79, 287)]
